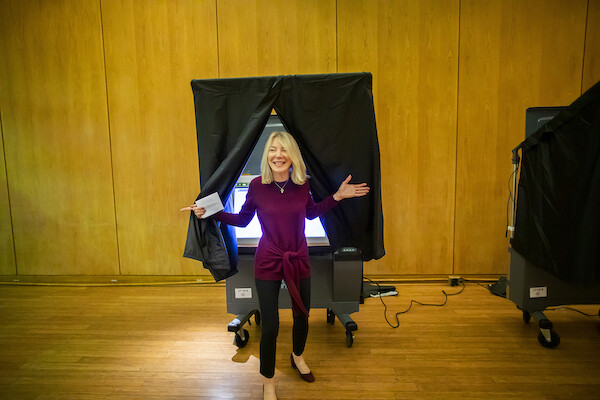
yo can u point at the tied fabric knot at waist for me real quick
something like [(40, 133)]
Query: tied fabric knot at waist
[(291, 272)]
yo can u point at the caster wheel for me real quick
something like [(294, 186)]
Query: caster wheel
[(330, 317), (349, 338), (241, 338), (554, 340), (526, 316), (257, 317)]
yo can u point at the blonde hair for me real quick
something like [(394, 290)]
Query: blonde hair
[(298, 172)]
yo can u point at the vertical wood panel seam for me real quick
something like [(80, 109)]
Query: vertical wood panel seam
[(217, 29), (456, 141), (110, 149), (587, 18), (337, 39), (12, 228)]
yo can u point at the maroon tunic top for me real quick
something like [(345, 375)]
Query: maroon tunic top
[(282, 252)]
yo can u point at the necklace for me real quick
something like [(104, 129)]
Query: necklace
[(281, 187)]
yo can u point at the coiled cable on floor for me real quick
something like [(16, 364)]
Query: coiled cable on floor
[(446, 295)]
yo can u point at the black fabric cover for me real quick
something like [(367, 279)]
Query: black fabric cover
[(331, 117), (558, 207)]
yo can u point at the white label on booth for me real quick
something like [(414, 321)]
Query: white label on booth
[(243, 293), (537, 292)]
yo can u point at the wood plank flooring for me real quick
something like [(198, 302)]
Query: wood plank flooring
[(171, 342)]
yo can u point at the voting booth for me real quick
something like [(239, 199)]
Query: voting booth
[(555, 245), (331, 117)]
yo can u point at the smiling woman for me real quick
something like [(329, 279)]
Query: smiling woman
[(278, 160), (282, 200), (281, 155)]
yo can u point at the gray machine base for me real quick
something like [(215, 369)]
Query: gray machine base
[(336, 285), (533, 289)]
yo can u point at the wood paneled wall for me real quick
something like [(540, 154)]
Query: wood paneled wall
[(412, 50), (7, 249), (514, 55), (265, 37), (97, 116), (591, 66), (56, 138), (153, 50)]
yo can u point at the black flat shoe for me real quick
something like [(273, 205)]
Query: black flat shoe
[(307, 377)]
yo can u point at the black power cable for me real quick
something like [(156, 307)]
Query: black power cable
[(573, 309), (411, 303), (511, 197)]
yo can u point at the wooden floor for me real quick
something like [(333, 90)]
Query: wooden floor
[(171, 342)]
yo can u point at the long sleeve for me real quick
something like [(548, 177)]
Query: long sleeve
[(314, 210), (245, 215)]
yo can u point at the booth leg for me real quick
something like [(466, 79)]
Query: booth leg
[(350, 326), (547, 337), (242, 335)]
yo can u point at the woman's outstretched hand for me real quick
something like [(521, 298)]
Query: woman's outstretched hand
[(348, 190), (199, 211)]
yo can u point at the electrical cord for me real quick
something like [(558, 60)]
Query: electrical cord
[(477, 283), (550, 308), (573, 309), (511, 196), (411, 303)]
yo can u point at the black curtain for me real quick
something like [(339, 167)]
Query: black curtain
[(332, 119), (558, 208)]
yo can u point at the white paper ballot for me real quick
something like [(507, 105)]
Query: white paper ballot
[(211, 203)]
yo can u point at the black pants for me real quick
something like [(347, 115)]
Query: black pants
[(268, 296)]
